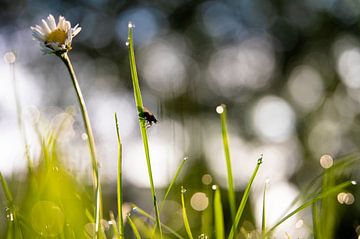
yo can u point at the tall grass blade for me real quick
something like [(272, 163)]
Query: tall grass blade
[(316, 221), (231, 194), (119, 181), (113, 225), (310, 202), (243, 201), (184, 214), (142, 122), (219, 217)]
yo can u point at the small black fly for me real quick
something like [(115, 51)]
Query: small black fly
[(148, 116)]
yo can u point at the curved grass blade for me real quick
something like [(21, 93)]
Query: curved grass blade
[(185, 218), (312, 201), (263, 219), (243, 201), (174, 179)]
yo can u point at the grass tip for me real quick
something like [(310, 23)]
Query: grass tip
[(131, 25), (214, 187), (185, 158), (260, 160), (183, 190)]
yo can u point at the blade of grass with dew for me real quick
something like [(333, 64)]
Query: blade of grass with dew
[(133, 227), (14, 229), (322, 195), (91, 142), (119, 181), (147, 215), (231, 194), (184, 214), (310, 189), (219, 217), (328, 206), (244, 200), (142, 122)]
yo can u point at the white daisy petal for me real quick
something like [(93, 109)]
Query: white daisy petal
[(76, 31), (51, 22), (45, 27)]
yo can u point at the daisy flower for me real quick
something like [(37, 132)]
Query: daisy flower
[(55, 38)]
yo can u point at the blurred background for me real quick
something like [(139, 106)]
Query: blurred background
[(287, 71)]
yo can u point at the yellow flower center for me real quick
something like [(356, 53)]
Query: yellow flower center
[(57, 36)]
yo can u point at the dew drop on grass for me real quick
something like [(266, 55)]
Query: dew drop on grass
[(214, 187), (131, 25), (9, 214), (84, 136), (183, 190), (203, 236), (220, 109), (185, 158), (127, 43)]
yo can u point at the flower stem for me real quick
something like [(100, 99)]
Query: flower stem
[(91, 143)]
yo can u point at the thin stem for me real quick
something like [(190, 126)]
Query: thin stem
[(243, 201), (119, 181), (142, 122), (231, 193), (96, 179), (20, 119)]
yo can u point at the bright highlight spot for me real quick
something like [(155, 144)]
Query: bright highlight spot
[(220, 109), (273, 119), (199, 201), (326, 161), (346, 198), (9, 57)]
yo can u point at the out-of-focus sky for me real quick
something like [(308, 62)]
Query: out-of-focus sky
[(287, 70)]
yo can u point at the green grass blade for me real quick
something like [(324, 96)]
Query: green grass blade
[(147, 215), (263, 218), (184, 214), (119, 181), (322, 195), (231, 194), (316, 221), (133, 227), (142, 122), (174, 179), (219, 217), (7, 192), (243, 201)]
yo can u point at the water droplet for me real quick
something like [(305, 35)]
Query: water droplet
[(9, 57), (9, 214), (84, 136), (260, 159), (214, 187), (134, 209), (203, 236), (185, 158), (131, 25), (353, 182), (127, 43), (220, 109), (183, 190)]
